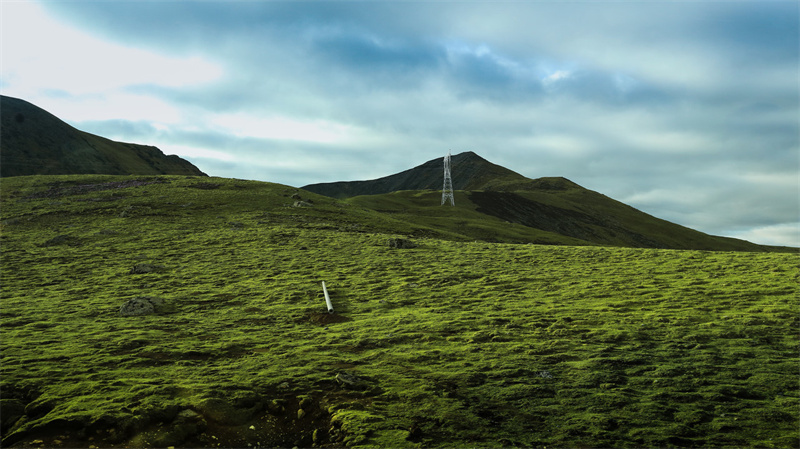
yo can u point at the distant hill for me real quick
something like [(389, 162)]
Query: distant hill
[(35, 142), (494, 203), (474, 173)]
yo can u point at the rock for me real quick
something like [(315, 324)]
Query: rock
[(305, 401), (206, 185), (302, 204), (137, 306), (350, 381), (276, 406), (188, 414), (62, 239), (223, 412), (187, 424), (142, 305), (401, 244)]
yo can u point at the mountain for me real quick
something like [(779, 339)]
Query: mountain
[(35, 142), (474, 173), (496, 204)]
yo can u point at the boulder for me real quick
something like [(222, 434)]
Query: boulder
[(141, 305), (62, 239), (187, 425), (351, 381), (401, 244), (225, 413)]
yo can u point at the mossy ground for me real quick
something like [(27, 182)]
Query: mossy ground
[(450, 344)]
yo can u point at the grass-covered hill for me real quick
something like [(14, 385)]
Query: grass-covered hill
[(449, 344), (552, 211), (35, 142), (498, 205), (471, 172)]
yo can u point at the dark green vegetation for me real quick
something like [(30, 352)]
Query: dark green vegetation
[(452, 343), (498, 205), (35, 142)]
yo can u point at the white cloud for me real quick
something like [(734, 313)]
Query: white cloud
[(192, 152), (787, 181), (113, 106), (556, 76), (39, 51), (283, 128), (783, 234)]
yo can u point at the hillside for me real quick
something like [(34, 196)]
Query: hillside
[(449, 344), (498, 205), (35, 142)]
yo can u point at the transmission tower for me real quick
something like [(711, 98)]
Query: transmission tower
[(447, 189)]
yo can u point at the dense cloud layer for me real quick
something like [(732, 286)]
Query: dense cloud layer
[(687, 110)]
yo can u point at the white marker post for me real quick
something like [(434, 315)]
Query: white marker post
[(327, 298)]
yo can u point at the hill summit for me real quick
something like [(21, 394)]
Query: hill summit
[(472, 172), (35, 142)]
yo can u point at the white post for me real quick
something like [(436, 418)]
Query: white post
[(327, 298)]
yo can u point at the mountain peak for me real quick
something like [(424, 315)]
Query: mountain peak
[(35, 142), (469, 171)]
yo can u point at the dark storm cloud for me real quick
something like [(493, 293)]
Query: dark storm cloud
[(367, 53), (331, 48), (757, 32)]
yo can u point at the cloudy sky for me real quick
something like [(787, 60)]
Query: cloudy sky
[(685, 110)]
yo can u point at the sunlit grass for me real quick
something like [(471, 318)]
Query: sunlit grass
[(453, 343)]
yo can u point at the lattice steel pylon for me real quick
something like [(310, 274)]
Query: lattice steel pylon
[(447, 189)]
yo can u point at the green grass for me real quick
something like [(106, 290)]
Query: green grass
[(585, 218), (453, 343), (462, 222)]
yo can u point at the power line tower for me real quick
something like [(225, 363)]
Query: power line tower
[(447, 189)]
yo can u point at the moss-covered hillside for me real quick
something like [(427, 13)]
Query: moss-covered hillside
[(449, 344)]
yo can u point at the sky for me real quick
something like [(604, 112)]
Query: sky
[(686, 110)]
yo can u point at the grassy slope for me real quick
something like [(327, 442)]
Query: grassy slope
[(422, 207), (671, 234), (455, 343), (463, 221)]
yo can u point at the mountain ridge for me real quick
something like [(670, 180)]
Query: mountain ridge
[(36, 142)]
